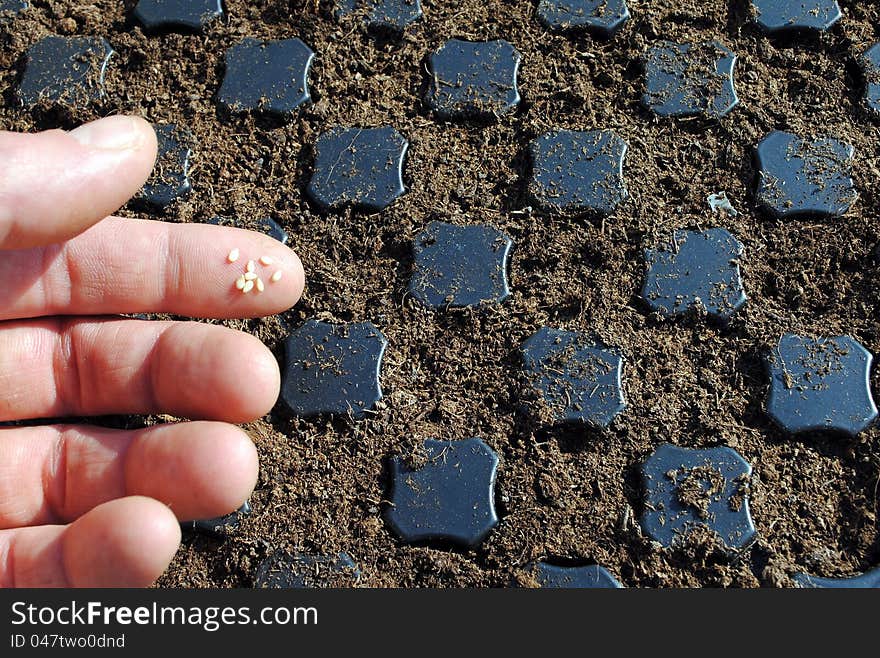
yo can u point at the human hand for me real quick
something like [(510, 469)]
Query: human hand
[(84, 506)]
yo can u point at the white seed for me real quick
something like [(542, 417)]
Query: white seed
[(251, 266), (267, 260), (260, 286), (275, 278), (250, 276), (248, 286), (233, 255), (239, 282)]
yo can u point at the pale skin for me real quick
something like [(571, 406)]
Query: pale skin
[(82, 506)]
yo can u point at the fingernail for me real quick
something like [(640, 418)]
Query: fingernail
[(118, 133)]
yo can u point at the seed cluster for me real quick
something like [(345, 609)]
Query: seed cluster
[(250, 279)]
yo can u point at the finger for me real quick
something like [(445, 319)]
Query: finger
[(55, 474), (55, 367), (123, 543), (138, 266), (55, 184)]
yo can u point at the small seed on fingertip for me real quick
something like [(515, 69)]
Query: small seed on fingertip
[(239, 282), (267, 260), (233, 256), (275, 278), (250, 276), (260, 286), (248, 286), (251, 266)]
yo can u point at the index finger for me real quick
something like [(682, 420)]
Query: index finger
[(143, 266)]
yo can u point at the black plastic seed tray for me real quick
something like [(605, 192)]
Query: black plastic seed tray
[(591, 291)]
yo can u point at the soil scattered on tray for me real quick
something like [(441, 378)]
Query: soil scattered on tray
[(697, 487), (562, 493)]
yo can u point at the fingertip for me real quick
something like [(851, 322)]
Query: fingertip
[(279, 267), (116, 133), (264, 382), (206, 372), (228, 470), (201, 469), (56, 184), (124, 145), (245, 377), (243, 468), (298, 274), (127, 542)]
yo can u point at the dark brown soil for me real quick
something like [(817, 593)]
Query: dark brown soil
[(561, 493)]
